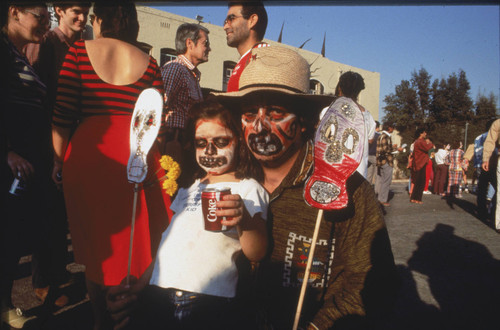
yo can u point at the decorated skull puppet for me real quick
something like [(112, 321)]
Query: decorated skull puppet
[(144, 127), (338, 150)]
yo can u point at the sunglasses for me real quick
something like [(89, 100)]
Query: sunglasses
[(92, 18), (42, 19), (230, 18)]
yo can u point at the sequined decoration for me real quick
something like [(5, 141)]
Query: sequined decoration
[(333, 154), (329, 129), (141, 126), (324, 192), (355, 139), (348, 111)]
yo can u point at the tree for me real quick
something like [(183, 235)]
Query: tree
[(421, 82), (485, 111), (408, 108), (443, 108), (486, 106)]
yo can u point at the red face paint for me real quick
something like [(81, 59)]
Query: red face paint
[(215, 146), (269, 130)]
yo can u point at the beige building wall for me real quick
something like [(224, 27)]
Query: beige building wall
[(158, 28)]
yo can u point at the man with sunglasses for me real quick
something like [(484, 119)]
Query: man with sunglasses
[(49, 271), (245, 26)]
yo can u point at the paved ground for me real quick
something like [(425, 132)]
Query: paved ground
[(449, 262), (448, 259)]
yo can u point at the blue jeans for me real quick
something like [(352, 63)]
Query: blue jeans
[(176, 309), (485, 190)]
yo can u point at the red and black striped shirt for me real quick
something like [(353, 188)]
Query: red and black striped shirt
[(82, 93)]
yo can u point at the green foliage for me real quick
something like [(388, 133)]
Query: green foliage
[(443, 107)]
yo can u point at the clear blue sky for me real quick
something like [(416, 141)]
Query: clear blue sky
[(391, 40)]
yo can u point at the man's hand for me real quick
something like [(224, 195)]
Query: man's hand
[(19, 166), (120, 301), (486, 166)]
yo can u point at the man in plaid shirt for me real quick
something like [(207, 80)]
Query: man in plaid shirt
[(181, 80), (385, 163)]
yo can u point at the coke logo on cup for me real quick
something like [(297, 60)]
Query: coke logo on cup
[(211, 216), (209, 199)]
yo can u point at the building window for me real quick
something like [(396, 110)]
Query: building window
[(316, 87), (228, 70), (167, 55)]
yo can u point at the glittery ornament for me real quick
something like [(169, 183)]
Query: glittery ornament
[(324, 192), (337, 153), (349, 146)]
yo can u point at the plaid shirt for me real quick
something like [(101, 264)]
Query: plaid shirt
[(455, 160), (181, 80), (384, 149)]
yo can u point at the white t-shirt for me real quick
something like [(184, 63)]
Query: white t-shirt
[(192, 259), (370, 126), (440, 155)]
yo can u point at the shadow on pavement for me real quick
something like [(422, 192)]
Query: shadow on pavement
[(470, 208), (463, 204), (463, 278), (411, 313)]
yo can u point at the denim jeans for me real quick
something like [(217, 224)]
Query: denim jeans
[(176, 309)]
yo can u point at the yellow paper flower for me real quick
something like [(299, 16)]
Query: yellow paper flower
[(170, 187), (173, 172)]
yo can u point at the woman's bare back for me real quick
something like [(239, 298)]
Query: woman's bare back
[(116, 62)]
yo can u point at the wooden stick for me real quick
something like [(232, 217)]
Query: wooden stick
[(132, 228), (308, 269)]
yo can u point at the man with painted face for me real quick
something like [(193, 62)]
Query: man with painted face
[(245, 26), (353, 277)]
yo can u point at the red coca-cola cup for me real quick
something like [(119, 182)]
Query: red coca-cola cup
[(209, 198)]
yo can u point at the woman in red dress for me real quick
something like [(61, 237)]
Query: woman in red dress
[(98, 86), (421, 148)]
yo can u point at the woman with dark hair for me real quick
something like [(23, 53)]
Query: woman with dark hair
[(350, 85), (421, 148), (24, 141), (99, 83), (454, 160), (118, 21)]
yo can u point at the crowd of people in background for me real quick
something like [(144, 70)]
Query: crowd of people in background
[(66, 108), (446, 171), (442, 168)]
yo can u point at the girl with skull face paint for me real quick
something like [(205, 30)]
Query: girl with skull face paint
[(195, 273)]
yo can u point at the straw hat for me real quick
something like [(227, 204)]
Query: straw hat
[(276, 69)]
